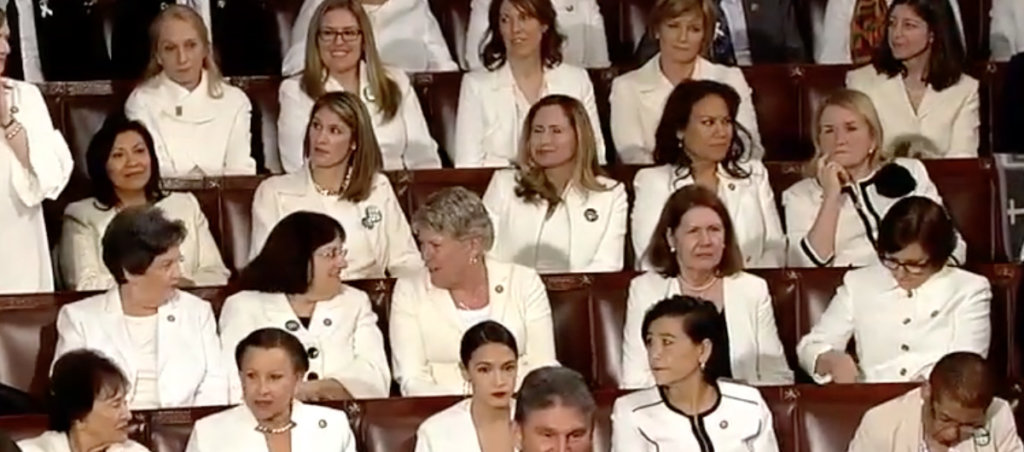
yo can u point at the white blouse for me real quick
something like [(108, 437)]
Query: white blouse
[(54, 441), (142, 332)]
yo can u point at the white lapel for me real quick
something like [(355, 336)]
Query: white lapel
[(739, 325), (444, 306), (183, 105), (117, 331), (248, 438), (499, 282), (171, 334)]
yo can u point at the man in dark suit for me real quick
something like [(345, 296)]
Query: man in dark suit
[(1011, 120)]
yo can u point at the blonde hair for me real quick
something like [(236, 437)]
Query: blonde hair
[(387, 95), (860, 104), (365, 160), (666, 10), (214, 82), (532, 183)]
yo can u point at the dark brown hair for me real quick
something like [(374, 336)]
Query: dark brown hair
[(365, 160), (965, 378), (493, 52), (916, 219), (285, 263), (946, 63), (660, 253)]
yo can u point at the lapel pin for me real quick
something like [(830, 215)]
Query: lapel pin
[(177, 110), (590, 214), (499, 288), (327, 322), (323, 423), (221, 4), (44, 7), (982, 437), (724, 424), (170, 318), (292, 325), (732, 186), (569, 8), (371, 217), (368, 94)]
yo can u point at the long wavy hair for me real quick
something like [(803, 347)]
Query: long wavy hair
[(365, 160), (214, 78)]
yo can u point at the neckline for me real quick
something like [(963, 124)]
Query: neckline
[(702, 414)]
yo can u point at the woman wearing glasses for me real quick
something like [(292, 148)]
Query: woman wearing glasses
[(341, 55), (906, 312), (293, 284)]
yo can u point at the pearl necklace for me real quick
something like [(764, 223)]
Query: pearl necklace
[(275, 431), (697, 289), (328, 192)]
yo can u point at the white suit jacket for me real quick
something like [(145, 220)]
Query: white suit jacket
[(451, 430), (638, 98), (949, 118), (901, 334), (755, 350), (1006, 36), (189, 367), (832, 36), (895, 426), (195, 134), (408, 37), (25, 265), (53, 441), (740, 421), (488, 124), (377, 222), (343, 330), (404, 141), (81, 245), (597, 222), (317, 429), (426, 330), (580, 21), (750, 201), (857, 220)]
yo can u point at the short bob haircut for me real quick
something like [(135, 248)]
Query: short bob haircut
[(660, 253), (916, 219), (532, 183), (135, 237), (98, 154), (670, 149), (458, 213), (493, 53), (947, 59), (666, 10), (80, 378), (365, 161), (964, 378), (386, 94), (551, 386), (285, 263), (215, 81), (700, 321), (271, 338), (483, 333)]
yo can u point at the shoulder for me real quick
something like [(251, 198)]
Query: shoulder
[(649, 279), (891, 410), (611, 184), (748, 282), (128, 446), (45, 442), (864, 276), (633, 77), (805, 189), (414, 284), (350, 294), (963, 280), (755, 167), (914, 166), (83, 209), (323, 415), (87, 306), (740, 393), (480, 77), (570, 72), (515, 272), (637, 400), (727, 74), (278, 182), (222, 422), (653, 174), (381, 182), (292, 88), (398, 76), (247, 298), (177, 201), (864, 75), (444, 421), (146, 88)]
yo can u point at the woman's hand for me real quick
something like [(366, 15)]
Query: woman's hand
[(839, 365), (831, 176), (322, 390)]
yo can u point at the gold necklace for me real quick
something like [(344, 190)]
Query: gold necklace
[(275, 431)]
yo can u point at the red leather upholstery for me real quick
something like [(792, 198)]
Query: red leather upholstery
[(439, 98), (236, 196), (775, 89), (389, 425), (828, 416)]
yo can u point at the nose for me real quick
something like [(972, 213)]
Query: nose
[(182, 56), (516, 25), (5, 48), (342, 261)]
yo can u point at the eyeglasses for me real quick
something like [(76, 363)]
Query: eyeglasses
[(346, 35), (332, 253), (914, 268)]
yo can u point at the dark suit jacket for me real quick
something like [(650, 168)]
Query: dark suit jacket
[(772, 29), (1011, 120), (71, 41)]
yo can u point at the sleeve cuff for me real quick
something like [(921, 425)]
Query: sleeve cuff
[(811, 255)]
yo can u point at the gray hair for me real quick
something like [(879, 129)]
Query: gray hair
[(458, 213), (550, 386)]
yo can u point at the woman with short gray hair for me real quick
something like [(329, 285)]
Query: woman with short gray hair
[(459, 288)]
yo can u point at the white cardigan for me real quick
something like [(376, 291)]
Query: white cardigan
[(404, 140), (901, 334), (25, 265), (853, 247), (638, 98), (597, 224), (750, 202), (755, 350), (949, 118), (195, 134), (343, 330), (189, 367), (317, 429), (81, 245), (425, 328), (489, 121), (376, 225), (53, 441)]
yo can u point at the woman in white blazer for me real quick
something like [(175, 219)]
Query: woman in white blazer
[(690, 408), (488, 355), (36, 165), (1006, 35), (698, 143), (580, 21), (341, 55), (832, 215), (684, 30), (523, 63), (431, 310), (407, 34), (917, 82), (87, 408), (272, 364), (293, 284), (343, 180), (125, 171), (695, 253), (906, 312), (164, 340), (832, 30), (200, 124), (557, 212)]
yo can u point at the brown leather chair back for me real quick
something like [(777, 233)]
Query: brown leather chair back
[(28, 336), (24, 427), (608, 313), (784, 288), (426, 182), (782, 401), (602, 434), (453, 18), (379, 291), (816, 84), (602, 81), (1004, 352), (775, 87), (389, 425), (570, 312), (828, 416), (968, 189), (439, 98), (236, 195), (169, 430), (262, 93)]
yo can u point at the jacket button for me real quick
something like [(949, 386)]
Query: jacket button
[(313, 352), (903, 372), (935, 314), (170, 318), (328, 322), (905, 347), (313, 376), (906, 321)]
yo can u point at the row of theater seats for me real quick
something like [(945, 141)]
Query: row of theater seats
[(785, 98), (807, 418), (588, 311)]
